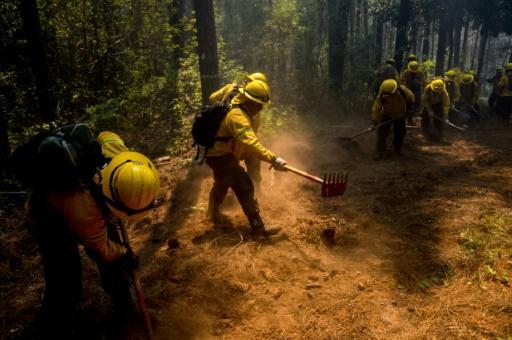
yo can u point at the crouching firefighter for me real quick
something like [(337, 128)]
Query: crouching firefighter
[(389, 110), (81, 188), (436, 107), (231, 128)]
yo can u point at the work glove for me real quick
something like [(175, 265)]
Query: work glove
[(279, 164)]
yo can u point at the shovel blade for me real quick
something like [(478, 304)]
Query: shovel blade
[(334, 184)]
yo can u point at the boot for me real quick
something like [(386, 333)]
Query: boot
[(258, 228)]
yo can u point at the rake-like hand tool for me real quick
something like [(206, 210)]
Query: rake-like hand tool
[(368, 130), (447, 122), (332, 184), (138, 287)]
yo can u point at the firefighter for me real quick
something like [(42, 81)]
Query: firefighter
[(494, 81), (411, 57), (436, 106), (386, 71), (414, 79), (391, 106), (469, 95), (453, 89), (504, 100), (63, 219), (236, 140), (226, 94)]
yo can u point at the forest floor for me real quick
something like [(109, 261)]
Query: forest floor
[(422, 247)]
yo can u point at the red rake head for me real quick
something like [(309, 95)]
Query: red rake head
[(334, 184)]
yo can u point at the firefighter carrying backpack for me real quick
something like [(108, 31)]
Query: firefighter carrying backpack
[(206, 124), (56, 160)]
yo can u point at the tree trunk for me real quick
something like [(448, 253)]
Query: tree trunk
[(4, 137), (207, 48), (426, 39), (481, 53), (441, 44), (37, 55), (463, 61), (176, 10), (475, 48), (457, 32), (337, 36), (379, 40), (401, 33)]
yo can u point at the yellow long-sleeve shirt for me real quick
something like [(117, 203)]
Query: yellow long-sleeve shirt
[(431, 98), (503, 86), (394, 105), (238, 126)]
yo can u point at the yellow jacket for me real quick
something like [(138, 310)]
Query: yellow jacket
[(470, 93), (81, 213), (222, 95), (453, 90), (239, 127), (414, 80), (394, 106), (503, 86), (431, 98)]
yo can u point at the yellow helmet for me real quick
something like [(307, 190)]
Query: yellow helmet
[(257, 91), (413, 66), (437, 85), (412, 56), (257, 76), (390, 61), (468, 78), (389, 86), (130, 185), (508, 67), (472, 72), (451, 74)]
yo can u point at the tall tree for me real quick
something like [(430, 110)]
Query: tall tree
[(338, 11), (441, 43), (401, 34), (207, 48), (37, 55)]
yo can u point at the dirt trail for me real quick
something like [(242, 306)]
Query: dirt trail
[(395, 268)]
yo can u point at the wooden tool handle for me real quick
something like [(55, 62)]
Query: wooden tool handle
[(138, 288), (304, 174)]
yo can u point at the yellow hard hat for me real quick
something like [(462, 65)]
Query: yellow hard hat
[(130, 185), (451, 74), (413, 66), (508, 67), (257, 76), (472, 72), (389, 86), (412, 56), (257, 91), (468, 78), (390, 61), (437, 85)]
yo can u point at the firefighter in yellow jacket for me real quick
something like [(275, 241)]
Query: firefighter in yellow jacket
[(226, 94), (469, 91), (504, 89), (391, 106), (414, 79), (436, 107), (237, 140), (61, 220), (452, 87)]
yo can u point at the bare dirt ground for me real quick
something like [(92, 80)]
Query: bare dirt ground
[(422, 248)]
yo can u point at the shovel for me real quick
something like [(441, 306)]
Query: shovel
[(332, 184)]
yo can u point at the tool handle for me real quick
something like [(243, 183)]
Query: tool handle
[(304, 174), (141, 302), (449, 124), (370, 129)]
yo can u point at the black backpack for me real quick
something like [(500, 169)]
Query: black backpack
[(58, 160), (206, 124)]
